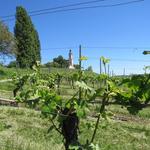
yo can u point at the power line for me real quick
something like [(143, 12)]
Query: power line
[(118, 59), (96, 47), (121, 60), (58, 7), (116, 47), (130, 60), (88, 7), (139, 68), (59, 48), (115, 59), (97, 58)]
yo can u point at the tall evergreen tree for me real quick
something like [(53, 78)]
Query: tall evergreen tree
[(28, 43), (37, 46)]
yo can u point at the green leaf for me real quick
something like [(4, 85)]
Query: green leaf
[(50, 129), (45, 109), (104, 60), (80, 111), (94, 146), (72, 147), (84, 86), (83, 58), (89, 125), (68, 105)]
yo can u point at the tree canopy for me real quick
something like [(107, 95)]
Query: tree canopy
[(7, 41), (63, 63), (58, 62)]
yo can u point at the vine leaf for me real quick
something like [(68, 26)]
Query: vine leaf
[(84, 86), (50, 129)]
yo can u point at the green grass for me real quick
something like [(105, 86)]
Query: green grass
[(6, 89), (7, 73), (64, 71), (118, 109), (115, 135), (25, 129), (6, 94), (7, 86)]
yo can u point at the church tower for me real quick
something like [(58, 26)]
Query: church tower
[(71, 60)]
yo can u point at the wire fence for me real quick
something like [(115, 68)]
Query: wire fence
[(124, 60)]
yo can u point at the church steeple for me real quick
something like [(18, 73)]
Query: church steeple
[(71, 60)]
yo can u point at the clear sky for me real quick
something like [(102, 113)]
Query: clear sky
[(120, 33)]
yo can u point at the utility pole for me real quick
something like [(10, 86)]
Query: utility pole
[(108, 69), (80, 69), (124, 72), (100, 66), (80, 54), (112, 73)]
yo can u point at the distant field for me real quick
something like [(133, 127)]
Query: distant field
[(6, 87), (6, 73)]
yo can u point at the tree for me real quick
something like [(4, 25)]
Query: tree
[(27, 39), (61, 61), (77, 66), (37, 46), (90, 69), (7, 41), (52, 64), (12, 64)]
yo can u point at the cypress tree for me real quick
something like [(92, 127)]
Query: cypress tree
[(28, 44), (37, 46)]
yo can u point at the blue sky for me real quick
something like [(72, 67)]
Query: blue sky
[(119, 33)]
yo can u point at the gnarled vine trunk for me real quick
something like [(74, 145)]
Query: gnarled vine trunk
[(70, 128)]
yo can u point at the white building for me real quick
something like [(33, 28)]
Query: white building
[(71, 60)]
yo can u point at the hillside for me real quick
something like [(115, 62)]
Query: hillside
[(6, 73)]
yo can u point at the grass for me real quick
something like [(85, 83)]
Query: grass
[(6, 89), (121, 136), (117, 109), (6, 94), (25, 129), (7, 73), (7, 86)]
